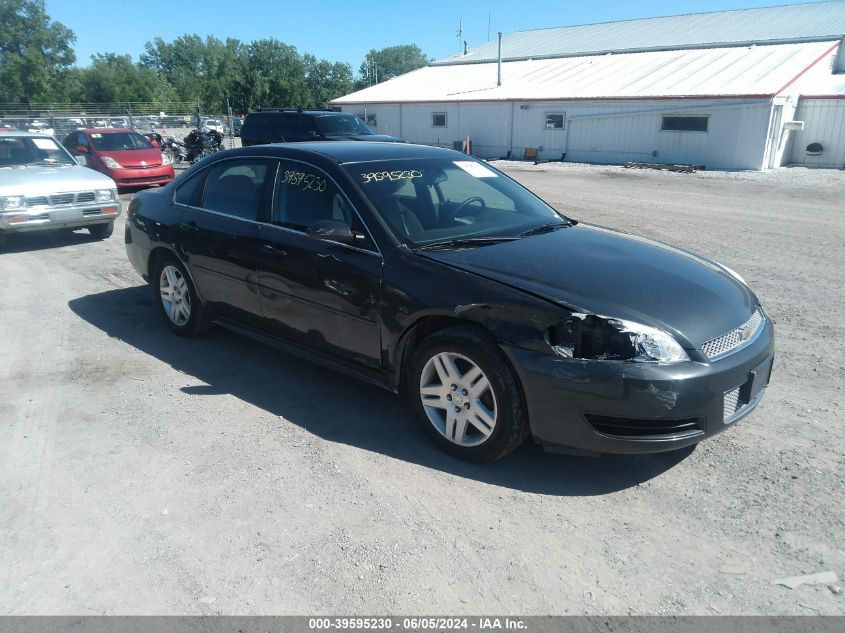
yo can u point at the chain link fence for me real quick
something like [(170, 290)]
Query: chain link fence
[(175, 119)]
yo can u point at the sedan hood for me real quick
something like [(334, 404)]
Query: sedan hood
[(137, 158), (599, 271), (40, 180)]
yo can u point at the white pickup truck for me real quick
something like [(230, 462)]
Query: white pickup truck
[(43, 187)]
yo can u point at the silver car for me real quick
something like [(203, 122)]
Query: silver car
[(43, 187)]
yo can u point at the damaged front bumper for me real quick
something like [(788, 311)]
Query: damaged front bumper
[(630, 407)]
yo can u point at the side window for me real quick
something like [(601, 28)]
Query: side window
[(305, 195), (283, 128), (236, 187), (72, 141), (307, 129), (554, 120), (189, 193), (256, 126)]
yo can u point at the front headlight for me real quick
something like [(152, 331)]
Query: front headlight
[(12, 203), (111, 163), (166, 159), (605, 338), (105, 195)]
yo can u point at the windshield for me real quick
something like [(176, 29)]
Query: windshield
[(433, 200), (21, 150), (118, 141), (342, 125)]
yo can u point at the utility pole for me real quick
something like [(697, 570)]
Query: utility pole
[(372, 70), (460, 34)]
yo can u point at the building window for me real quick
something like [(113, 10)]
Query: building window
[(371, 120), (554, 120), (674, 123), (438, 119)]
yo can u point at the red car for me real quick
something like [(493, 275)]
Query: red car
[(123, 155)]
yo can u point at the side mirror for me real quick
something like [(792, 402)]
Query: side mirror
[(82, 160), (80, 149), (333, 230)]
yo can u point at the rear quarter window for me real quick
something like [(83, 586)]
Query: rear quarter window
[(271, 128), (190, 192)]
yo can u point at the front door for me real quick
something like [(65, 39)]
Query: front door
[(322, 294)]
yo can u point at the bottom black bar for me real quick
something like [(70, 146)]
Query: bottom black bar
[(422, 624)]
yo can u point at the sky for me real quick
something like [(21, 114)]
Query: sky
[(346, 30)]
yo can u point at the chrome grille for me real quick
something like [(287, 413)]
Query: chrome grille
[(731, 403), (732, 340), (60, 199)]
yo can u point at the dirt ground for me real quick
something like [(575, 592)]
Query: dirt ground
[(145, 474)]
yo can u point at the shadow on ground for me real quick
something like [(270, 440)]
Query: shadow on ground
[(341, 409), (41, 240)]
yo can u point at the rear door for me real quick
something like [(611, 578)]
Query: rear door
[(218, 232), (322, 294)]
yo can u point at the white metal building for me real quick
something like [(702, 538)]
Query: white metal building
[(714, 89)]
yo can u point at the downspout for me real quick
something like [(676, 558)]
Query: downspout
[(499, 66), (510, 142)]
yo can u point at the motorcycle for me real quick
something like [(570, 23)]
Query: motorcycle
[(200, 144), (176, 149)]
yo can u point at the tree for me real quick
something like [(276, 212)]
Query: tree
[(326, 80), (34, 52), (391, 62), (180, 62), (276, 74), (112, 78)]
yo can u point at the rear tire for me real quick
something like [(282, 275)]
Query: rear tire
[(101, 231), (466, 395), (176, 298)]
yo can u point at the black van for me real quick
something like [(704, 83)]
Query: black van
[(290, 126)]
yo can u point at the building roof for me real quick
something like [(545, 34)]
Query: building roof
[(819, 21), (830, 86), (738, 71)]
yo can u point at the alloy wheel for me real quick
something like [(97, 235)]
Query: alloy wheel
[(175, 295), (458, 399)]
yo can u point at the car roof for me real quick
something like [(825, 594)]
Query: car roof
[(355, 151), (6, 132)]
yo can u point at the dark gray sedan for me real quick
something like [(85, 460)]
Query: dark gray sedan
[(431, 273)]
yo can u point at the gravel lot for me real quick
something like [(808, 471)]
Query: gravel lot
[(145, 474)]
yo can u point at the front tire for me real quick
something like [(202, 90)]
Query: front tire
[(466, 395), (176, 298), (101, 231)]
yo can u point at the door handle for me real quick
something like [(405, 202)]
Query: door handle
[(272, 250), (328, 256), (189, 227)]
